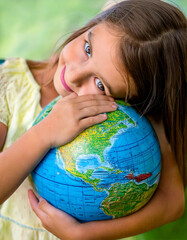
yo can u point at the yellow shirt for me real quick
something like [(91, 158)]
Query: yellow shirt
[(19, 106)]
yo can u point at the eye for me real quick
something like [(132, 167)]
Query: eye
[(87, 49), (100, 85)]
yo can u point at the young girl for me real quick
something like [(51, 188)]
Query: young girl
[(136, 51)]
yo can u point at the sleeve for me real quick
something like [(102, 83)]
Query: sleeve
[(4, 109)]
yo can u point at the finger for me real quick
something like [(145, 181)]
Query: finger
[(34, 202), (42, 203), (47, 207), (91, 97), (90, 121), (95, 103), (95, 110)]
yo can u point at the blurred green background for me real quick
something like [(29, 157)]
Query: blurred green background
[(32, 28)]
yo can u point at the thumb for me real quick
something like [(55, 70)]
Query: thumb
[(34, 202), (46, 207)]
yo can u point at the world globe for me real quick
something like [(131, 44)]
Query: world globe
[(110, 170)]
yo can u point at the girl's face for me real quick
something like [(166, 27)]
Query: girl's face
[(89, 65)]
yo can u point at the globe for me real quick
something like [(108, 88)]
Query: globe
[(110, 170)]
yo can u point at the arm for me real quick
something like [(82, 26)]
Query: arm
[(3, 133), (18, 160), (68, 118), (166, 205)]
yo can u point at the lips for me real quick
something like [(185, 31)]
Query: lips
[(63, 80)]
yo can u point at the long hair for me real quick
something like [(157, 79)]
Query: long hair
[(153, 50)]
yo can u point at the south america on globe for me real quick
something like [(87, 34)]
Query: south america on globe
[(110, 170)]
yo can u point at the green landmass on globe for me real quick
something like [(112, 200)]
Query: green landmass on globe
[(93, 137), (119, 204), (110, 170)]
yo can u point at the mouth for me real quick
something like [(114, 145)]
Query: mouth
[(63, 80)]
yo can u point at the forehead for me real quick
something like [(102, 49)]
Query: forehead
[(105, 55)]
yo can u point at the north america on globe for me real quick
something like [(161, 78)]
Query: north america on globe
[(110, 170)]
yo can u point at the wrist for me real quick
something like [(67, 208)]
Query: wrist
[(81, 233), (88, 231), (40, 130)]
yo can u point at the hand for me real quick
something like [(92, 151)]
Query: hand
[(54, 220), (73, 114)]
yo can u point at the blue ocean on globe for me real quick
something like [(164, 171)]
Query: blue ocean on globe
[(110, 170)]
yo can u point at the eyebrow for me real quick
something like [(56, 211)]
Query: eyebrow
[(90, 41)]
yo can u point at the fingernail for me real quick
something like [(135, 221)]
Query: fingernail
[(104, 115), (114, 105), (40, 199)]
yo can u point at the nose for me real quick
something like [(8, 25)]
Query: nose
[(80, 79), (77, 74)]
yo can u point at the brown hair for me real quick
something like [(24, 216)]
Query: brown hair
[(153, 49), (154, 52)]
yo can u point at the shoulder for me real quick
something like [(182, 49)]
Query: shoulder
[(8, 83), (160, 132), (16, 82), (10, 70), (13, 65), (14, 74)]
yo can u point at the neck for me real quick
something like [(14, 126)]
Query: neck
[(44, 77), (48, 93)]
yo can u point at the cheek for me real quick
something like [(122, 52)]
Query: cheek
[(73, 52), (56, 80), (68, 52), (58, 85), (89, 87)]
